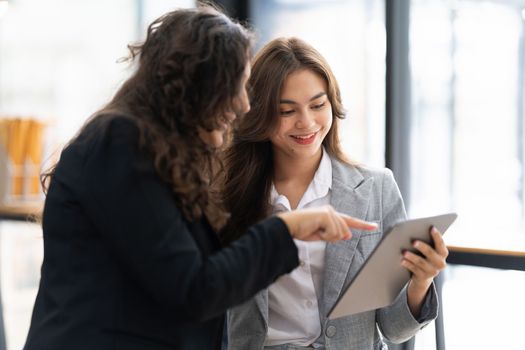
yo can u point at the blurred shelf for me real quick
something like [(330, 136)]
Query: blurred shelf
[(511, 257), (486, 251), (21, 212)]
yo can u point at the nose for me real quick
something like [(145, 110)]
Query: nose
[(246, 102), (305, 120)]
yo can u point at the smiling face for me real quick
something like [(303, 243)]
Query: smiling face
[(305, 116), (241, 104)]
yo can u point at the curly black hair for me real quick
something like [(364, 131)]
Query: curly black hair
[(188, 73)]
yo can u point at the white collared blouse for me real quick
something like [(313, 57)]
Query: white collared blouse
[(293, 315)]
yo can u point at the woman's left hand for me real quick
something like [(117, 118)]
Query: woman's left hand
[(424, 268)]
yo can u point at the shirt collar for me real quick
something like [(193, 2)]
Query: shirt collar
[(323, 175)]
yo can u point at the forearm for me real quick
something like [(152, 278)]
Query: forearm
[(416, 294), (396, 321)]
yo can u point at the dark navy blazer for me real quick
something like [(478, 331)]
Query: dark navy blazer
[(124, 270)]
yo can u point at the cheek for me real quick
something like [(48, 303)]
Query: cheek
[(275, 137), (281, 129), (278, 136), (327, 120)]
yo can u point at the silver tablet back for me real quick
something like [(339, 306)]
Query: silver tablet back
[(382, 277)]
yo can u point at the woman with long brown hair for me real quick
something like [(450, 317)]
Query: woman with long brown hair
[(285, 155), (131, 256)]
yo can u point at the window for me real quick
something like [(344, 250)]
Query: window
[(467, 130), (58, 59), (467, 154)]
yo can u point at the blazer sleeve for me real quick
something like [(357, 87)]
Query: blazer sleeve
[(135, 212), (396, 321)]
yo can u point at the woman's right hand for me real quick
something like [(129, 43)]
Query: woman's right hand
[(322, 223)]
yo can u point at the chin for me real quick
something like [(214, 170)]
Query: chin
[(217, 139), (218, 142), (306, 152), (312, 148)]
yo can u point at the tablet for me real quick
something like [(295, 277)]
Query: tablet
[(381, 278)]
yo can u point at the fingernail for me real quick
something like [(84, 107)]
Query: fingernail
[(434, 229), (416, 244)]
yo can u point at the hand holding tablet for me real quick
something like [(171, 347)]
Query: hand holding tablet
[(382, 277)]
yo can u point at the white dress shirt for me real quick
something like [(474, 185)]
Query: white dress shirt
[(293, 315)]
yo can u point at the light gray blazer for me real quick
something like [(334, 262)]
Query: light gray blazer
[(370, 195)]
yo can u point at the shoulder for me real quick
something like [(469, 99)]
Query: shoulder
[(102, 136), (103, 139), (357, 174), (372, 172), (109, 128)]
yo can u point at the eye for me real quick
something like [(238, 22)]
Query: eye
[(287, 112), (318, 106)]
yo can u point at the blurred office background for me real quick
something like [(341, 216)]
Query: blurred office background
[(434, 89)]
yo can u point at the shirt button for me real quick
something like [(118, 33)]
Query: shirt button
[(308, 303), (330, 331), (301, 262)]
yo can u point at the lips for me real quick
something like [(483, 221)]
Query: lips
[(230, 116), (304, 139)]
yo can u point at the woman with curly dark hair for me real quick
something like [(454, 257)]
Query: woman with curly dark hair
[(131, 256)]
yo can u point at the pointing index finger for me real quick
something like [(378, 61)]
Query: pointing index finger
[(358, 224)]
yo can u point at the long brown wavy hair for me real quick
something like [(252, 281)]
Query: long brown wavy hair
[(188, 75), (248, 162)]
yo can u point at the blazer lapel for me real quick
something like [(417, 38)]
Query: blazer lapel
[(350, 195), (261, 299)]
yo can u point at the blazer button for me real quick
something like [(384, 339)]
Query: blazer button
[(330, 331)]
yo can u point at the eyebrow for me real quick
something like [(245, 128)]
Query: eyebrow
[(313, 98)]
